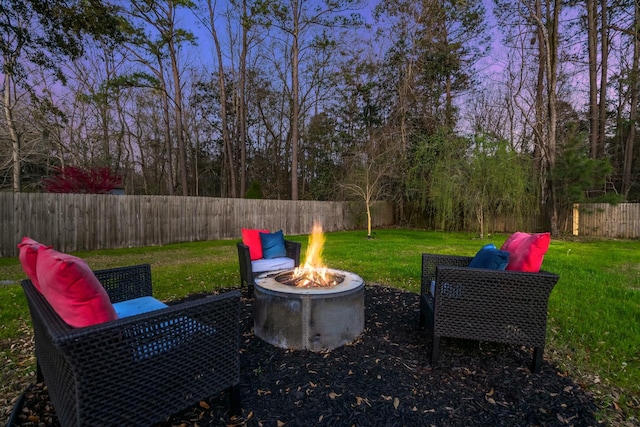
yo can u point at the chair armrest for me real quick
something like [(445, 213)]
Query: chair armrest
[(126, 283), (293, 251), (244, 260)]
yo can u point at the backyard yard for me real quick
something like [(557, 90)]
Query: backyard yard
[(591, 371)]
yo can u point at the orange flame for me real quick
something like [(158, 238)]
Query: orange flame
[(315, 273)]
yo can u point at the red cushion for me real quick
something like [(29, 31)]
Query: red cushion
[(28, 258), (72, 289), (251, 238), (526, 251)]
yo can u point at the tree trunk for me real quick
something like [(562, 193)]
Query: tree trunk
[(369, 219), (168, 145), (295, 101), (13, 132), (182, 147), (539, 105), (242, 102), (634, 88), (604, 69), (226, 138), (592, 37), (553, 20), (549, 39)]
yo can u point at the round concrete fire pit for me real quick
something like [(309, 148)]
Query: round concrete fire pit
[(309, 318)]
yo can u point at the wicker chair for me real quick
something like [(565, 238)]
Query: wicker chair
[(141, 369), (247, 273), (485, 305)]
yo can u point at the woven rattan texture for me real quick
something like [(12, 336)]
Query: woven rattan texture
[(141, 369), (246, 272), (126, 283), (486, 305)]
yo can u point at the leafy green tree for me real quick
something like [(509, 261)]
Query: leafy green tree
[(462, 180), (576, 174), (254, 191), (434, 45), (322, 158), (431, 185), (496, 181)]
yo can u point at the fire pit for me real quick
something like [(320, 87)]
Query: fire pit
[(311, 307), (293, 315)]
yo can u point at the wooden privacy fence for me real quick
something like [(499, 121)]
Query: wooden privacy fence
[(73, 222), (605, 220)]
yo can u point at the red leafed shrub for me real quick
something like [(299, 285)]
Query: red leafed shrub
[(72, 179)]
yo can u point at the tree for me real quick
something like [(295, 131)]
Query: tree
[(43, 35), (72, 179), (431, 178), (577, 172), (161, 17), (435, 45), (597, 28), (495, 181), (543, 18), (367, 175), (224, 115), (477, 179), (298, 19), (634, 97)]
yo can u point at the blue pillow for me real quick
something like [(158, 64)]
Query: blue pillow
[(273, 245), (490, 257)]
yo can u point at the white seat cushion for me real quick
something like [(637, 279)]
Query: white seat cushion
[(272, 264)]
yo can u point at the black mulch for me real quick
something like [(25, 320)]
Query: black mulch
[(384, 378)]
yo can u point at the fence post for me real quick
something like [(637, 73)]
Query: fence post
[(576, 219)]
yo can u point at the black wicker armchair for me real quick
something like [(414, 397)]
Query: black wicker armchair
[(137, 370), (247, 273), (485, 305)]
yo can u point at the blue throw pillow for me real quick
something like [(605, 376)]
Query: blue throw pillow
[(273, 245), (490, 257)]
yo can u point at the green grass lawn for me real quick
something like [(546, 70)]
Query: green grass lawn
[(593, 333)]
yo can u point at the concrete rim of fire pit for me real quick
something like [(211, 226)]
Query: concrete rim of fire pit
[(351, 281)]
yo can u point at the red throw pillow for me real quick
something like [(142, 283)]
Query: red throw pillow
[(28, 257), (526, 251), (251, 238), (514, 241), (74, 292)]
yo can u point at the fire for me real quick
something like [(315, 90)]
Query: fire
[(313, 272)]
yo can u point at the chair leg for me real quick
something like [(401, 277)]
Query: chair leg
[(235, 407), (537, 359), (39, 376), (435, 350), (250, 288)]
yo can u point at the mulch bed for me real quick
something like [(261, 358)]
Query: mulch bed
[(384, 378)]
